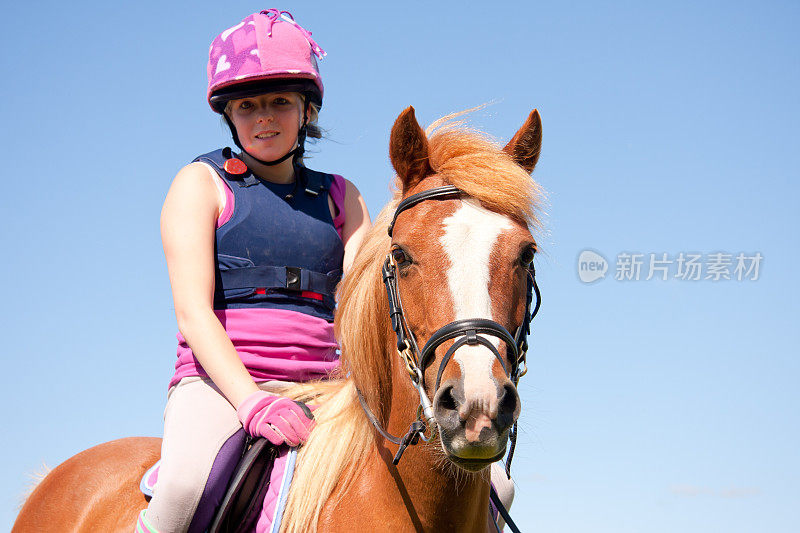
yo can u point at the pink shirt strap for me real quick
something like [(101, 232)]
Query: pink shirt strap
[(227, 211), (338, 192)]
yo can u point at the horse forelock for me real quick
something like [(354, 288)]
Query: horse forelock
[(476, 164)]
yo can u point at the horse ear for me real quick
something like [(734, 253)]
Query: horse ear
[(408, 149), (525, 145)]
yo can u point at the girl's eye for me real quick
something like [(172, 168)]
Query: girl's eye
[(526, 258), (401, 258), (281, 101), (245, 105)]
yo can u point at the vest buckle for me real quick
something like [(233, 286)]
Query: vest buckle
[(293, 278)]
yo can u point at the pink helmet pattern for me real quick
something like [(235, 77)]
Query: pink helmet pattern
[(265, 51)]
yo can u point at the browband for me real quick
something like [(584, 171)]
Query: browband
[(436, 193)]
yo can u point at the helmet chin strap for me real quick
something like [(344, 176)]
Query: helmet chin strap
[(297, 152)]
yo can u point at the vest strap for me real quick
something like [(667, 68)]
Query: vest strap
[(314, 185), (274, 277), (245, 180), (248, 180)]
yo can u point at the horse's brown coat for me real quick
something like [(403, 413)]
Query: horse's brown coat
[(96, 490)]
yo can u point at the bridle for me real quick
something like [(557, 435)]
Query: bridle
[(468, 331)]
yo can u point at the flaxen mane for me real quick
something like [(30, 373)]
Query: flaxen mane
[(343, 437)]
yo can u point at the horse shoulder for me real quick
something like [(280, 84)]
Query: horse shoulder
[(377, 498), (362, 503)]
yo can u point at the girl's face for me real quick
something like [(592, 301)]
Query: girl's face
[(267, 124)]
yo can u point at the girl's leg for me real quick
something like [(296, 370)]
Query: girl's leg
[(203, 441), (503, 486)]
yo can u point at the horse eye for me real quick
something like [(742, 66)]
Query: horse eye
[(401, 258), (527, 255)]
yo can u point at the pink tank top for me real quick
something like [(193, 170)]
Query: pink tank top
[(274, 344)]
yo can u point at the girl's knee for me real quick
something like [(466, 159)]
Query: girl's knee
[(180, 490)]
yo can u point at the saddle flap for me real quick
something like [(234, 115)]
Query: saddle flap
[(242, 503)]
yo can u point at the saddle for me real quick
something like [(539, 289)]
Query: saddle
[(256, 493)]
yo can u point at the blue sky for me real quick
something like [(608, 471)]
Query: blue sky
[(651, 406)]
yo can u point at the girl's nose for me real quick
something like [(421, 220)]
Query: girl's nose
[(264, 113)]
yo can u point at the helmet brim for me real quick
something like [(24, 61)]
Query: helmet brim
[(222, 96)]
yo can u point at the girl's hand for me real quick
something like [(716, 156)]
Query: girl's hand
[(276, 418)]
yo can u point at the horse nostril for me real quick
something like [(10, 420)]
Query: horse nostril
[(508, 409), (445, 406), (446, 400)]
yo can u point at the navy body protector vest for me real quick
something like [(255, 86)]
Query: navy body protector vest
[(280, 249)]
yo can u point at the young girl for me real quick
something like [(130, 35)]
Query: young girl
[(255, 243)]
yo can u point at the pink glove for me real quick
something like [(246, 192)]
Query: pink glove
[(277, 418)]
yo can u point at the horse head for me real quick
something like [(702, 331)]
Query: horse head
[(460, 269)]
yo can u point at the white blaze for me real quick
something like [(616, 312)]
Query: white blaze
[(469, 238)]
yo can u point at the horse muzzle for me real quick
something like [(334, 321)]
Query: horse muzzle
[(474, 430)]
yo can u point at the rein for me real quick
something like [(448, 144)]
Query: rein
[(469, 331)]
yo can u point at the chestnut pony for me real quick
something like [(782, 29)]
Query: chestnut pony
[(454, 258)]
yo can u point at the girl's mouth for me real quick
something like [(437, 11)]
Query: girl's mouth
[(266, 134)]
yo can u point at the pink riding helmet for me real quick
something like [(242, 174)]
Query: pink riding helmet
[(267, 51)]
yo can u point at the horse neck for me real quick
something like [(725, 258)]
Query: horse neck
[(443, 496)]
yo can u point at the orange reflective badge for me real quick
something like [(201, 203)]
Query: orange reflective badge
[(235, 166)]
